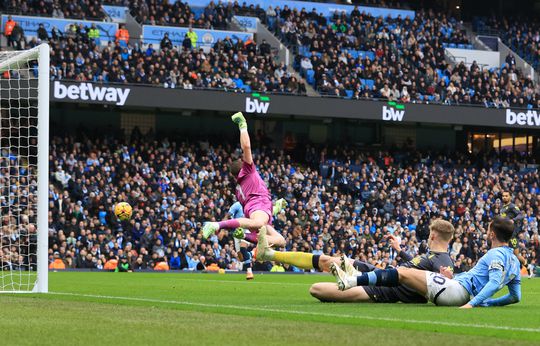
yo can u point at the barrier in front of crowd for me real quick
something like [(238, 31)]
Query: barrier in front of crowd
[(206, 38), (266, 105)]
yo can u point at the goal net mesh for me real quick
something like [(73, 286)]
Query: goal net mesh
[(18, 170)]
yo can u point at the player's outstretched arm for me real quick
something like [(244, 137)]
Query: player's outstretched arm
[(245, 142), (511, 298), (495, 279)]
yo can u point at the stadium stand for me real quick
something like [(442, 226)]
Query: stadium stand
[(360, 56), (521, 34), (357, 56), (90, 9), (233, 66)]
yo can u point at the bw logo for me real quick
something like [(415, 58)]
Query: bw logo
[(257, 104), (394, 112)]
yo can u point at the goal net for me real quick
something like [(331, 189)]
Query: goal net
[(24, 132)]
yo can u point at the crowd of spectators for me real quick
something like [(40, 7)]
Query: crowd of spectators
[(87, 9), (353, 56), (171, 13), (346, 206), (229, 65), (522, 35), (402, 59)]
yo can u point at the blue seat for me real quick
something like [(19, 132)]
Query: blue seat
[(461, 46), (246, 88), (349, 93), (370, 55), (370, 83), (310, 78), (452, 45)]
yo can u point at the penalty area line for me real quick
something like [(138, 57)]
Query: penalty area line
[(296, 312)]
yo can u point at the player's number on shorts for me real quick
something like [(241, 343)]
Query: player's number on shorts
[(439, 280)]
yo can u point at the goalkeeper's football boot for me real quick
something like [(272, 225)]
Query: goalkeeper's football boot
[(347, 267), (279, 206), (264, 252), (238, 119), (209, 229), (341, 277)]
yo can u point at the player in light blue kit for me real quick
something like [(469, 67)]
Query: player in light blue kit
[(236, 211), (499, 267), (243, 238)]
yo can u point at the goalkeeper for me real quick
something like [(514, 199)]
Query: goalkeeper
[(251, 192)]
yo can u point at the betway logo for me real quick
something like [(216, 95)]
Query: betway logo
[(259, 104), (531, 118), (89, 91), (394, 112)]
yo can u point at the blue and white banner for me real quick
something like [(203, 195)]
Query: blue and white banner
[(206, 38), (116, 13), (249, 24), (30, 25), (326, 9)]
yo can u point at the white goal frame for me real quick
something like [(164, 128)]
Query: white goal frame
[(40, 52)]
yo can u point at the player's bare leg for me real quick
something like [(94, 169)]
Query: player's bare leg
[(329, 292), (346, 264), (414, 278), (244, 256), (275, 239), (256, 220)]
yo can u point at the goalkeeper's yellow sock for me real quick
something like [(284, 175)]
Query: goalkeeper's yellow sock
[(302, 260)]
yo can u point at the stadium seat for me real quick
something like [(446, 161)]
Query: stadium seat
[(370, 83), (310, 78)]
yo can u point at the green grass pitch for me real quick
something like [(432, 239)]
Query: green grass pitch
[(212, 309)]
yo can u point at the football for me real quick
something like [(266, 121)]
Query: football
[(123, 211)]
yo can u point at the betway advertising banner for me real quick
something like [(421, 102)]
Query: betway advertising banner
[(266, 105)]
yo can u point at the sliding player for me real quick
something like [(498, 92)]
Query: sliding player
[(497, 268), (235, 212), (251, 192), (441, 233)]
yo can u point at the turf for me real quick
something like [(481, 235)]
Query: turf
[(211, 309)]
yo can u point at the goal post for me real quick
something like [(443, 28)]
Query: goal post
[(24, 170)]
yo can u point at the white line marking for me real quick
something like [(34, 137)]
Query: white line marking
[(251, 282), (296, 312)]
